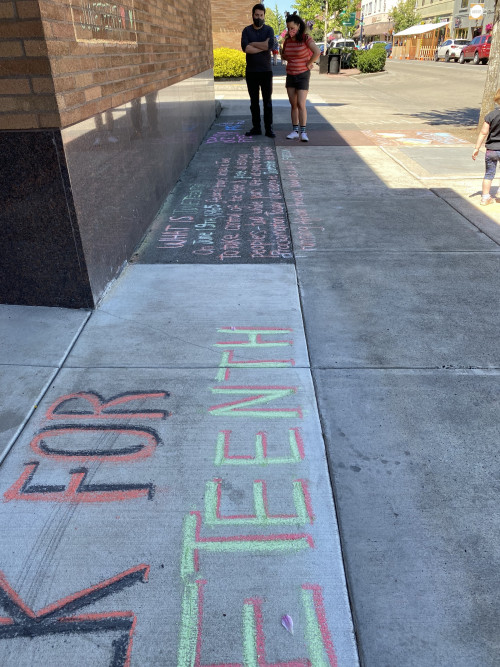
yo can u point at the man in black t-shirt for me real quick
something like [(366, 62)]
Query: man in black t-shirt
[(257, 42)]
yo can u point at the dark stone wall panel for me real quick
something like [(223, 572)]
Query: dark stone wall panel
[(41, 256)]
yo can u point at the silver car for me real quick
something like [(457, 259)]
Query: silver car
[(450, 49)]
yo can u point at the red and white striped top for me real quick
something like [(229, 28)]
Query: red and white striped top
[(297, 55)]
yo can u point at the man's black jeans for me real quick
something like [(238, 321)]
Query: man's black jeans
[(264, 81)]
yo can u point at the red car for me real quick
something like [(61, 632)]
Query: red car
[(478, 50)]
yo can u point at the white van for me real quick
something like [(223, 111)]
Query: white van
[(342, 44)]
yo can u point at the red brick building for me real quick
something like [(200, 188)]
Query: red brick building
[(102, 105)]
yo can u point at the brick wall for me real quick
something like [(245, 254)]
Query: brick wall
[(228, 20), (64, 61), (27, 97)]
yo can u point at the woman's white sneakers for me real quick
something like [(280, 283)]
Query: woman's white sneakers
[(295, 135)]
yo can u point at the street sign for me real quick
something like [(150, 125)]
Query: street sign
[(350, 20), (476, 10)]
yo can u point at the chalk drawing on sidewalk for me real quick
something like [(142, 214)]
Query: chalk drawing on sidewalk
[(258, 396), (228, 362), (306, 230), (317, 636), (103, 443), (229, 133), (254, 339), (254, 336), (260, 457), (235, 213), (77, 491), (59, 618), (414, 138), (148, 440), (193, 543), (101, 407), (262, 516)]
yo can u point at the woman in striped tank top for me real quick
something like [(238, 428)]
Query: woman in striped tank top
[(300, 53)]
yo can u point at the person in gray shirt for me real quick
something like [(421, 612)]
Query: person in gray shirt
[(257, 42)]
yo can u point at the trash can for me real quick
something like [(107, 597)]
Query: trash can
[(323, 64), (334, 63)]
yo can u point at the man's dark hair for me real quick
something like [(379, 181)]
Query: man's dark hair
[(259, 6)]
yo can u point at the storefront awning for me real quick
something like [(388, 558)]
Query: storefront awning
[(420, 29), (376, 29)]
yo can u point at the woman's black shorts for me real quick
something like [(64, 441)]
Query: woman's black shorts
[(298, 81)]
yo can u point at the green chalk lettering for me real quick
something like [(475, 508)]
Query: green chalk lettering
[(258, 396)]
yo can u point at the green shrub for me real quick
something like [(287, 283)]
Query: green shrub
[(372, 60), (351, 56), (229, 63)]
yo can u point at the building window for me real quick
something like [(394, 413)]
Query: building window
[(465, 4)]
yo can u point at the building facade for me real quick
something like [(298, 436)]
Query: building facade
[(435, 11), (101, 108), (376, 22), (464, 27)]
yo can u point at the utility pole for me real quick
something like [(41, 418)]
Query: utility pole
[(491, 84), (325, 16)]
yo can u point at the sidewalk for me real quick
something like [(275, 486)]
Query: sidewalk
[(297, 317)]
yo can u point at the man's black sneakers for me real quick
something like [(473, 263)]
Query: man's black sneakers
[(270, 133), (253, 132)]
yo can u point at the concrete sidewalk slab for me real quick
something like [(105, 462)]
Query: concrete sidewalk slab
[(415, 461), (38, 336), (450, 162), (347, 171), (485, 218), (188, 524), (21, 387), (321, 136), (34, 342), (417, 223), (369, 309), (419, 139), (170, 316)]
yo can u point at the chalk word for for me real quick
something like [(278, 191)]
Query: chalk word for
[(57, 443)]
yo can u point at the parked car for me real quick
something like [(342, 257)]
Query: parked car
[(478, 50), (450, 49), (342, 44)]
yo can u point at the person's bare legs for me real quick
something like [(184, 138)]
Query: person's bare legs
[(486, 187), (293, 97), (301, 104)]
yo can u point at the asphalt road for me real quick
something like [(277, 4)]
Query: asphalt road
[(433, 92)]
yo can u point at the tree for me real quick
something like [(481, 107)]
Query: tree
[(491, 84), (404, 15), (275, 20), (324, 13), (308, 9)]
